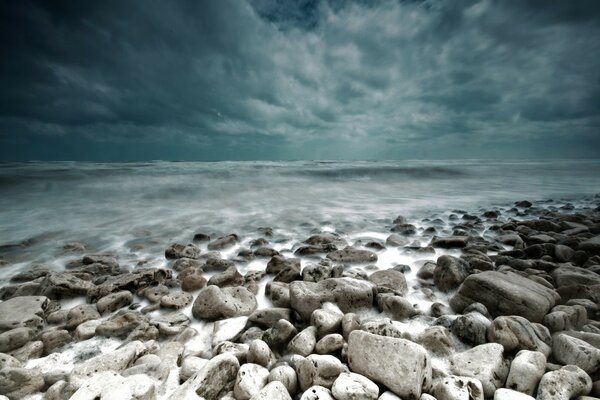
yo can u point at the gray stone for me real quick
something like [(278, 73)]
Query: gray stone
[(272, 391), (457, 388), (591, 245), (228, 329), (176, 300), (566, 383), (80, 314), (507, 394), (178, 250), (567, 349), (267, 317), (229, 277), (450, 242), (114, 301), (505, 294), (471, 328), (59, 285), (23, 311), (110, 385), (213, 381), (352, 255), (517, 333), (450, 272), (280, 334), (54, 340), (317, 393), (304, 342), (321, 370), (287, 376), (223, 242), (191, 279), (260, 353), (330, 343), (351, 386), (132, 281), (485, 363), (397, 307), (16, 383), (563, 318), (251, 378), (326, 321), (567, 275), (15, 338), (9, 361), (526, 370), (190, 365), (384, 359), (215, 303), (389, 281)]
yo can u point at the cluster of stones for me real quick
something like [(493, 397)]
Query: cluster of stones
[(520, 323)]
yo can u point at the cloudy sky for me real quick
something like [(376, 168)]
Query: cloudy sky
[(299, 79)]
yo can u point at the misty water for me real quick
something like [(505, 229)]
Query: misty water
[(139, 208)]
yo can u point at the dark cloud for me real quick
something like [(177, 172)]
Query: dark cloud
[(299, 79)]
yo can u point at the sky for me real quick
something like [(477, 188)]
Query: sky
[(299, 79)]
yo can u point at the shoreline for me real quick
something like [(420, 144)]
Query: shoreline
[(247, 312)]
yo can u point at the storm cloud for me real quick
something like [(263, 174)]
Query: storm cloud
[(268, 79)]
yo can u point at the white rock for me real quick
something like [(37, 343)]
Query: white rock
[(110, 385), (286, 375), (457, 388), (304, 342), (568, 382), (351, 386), (251, 378), (317, 393), (260, 353), (273, 391), (391, 396), (213, 381), (485, 363), (507, 394), (321, 370), (570, 350), (228, 329), (190, 365), (526, 370)]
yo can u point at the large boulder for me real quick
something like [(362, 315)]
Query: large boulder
[(23, 311), (591, 245), (567, 275), (389, 281), (505, 293), (567, 349), (517, 333), (385, 359), (349, 294), (215, 303), (484, 362), (566, 383), (450, 272)]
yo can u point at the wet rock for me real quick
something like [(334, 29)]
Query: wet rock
[(265, 252), (320, 370), (122, 325), (110, 385), (229, 277), (215, 263), (15, 338), (178, 250), (114, 301), (457, 388), (565, 317), (326, 321), (131, 281), (450, 242), (397, 307), (471, 328), (389, 281), (223, 242), (349, 294), (7, 360), (304, 342), (438, 340), (317, 393), (228, 329), (86, 330), (279, 294), (278, 263), (570, 275), (450, 272), (55, 339), (351, 386), (154, 293), (269, 316), (395, 240), (29, 351), (280, 334), (183, 263), (260, 353), (287, 376), (176, 300), (80, 314), (526, 370), (485, 363), (215, 303), (517, 333), (426, 270), (567, 349), (212, 382), (566, 383), (383, 359), (505, 294), (321, 271), (191, 365), (23, 311), (201, 237), (563, 253), (16, 383), (59, 285), (251, 378), (191, 279), (352, 255)]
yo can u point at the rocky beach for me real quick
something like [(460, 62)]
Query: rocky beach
[(496, 299)]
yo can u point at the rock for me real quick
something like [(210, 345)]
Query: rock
[(304, 342), (471, 328), (110, 385), (16, 383), (55, 339), (279, 263), (86, 330), (178, 250), (184, 263), (526, 370), (269, 316), (389, 281), (438, 340), (273, 391), (8, 361), (351, 386), (223, 242), (352, 255), (449, 273), (567, 275), (280, 334), (229, 277), (348, 293), (507, 394), (384, 359), (450, 242), (485, 363), (326, 321), (397, 307), (176, 300), (317, 393), (566, 383), (121, 325), (517, 333), (190, 365), (201, 237), (228, 329), (213, 381), (563, 318), (251, 378), (114, 301), (117, 360), (59, 285), (23, 311), (80, 314), (457, 388), (505, 293), (287, 376), (330, 344), (28, 351), (215, 303), (131, 281), (571, 350), (154, 293), (15, 338), (350, 322), (321, 370), (260, 353), (591, 245)]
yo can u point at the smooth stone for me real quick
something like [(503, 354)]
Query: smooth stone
[(438, 340), (317, 393), (321, 370), (223, 242), (484, 362), (287, 376), (526, 370), (304, 342), (29, 351), (55, 339), (114, 301), (449, 272), (212, 382), (389, 281), (471, 328), (191, 279), (397, 307), (23, 311), (507, 394), (230, 277), (215, 303), (280, 334), (190, 365), (251, 378), (570, 350), (80, 314), (16, 383), (59, 285), (505, 294), (351, 386), (591, 245), (326, 321), (15, 338), (457, 388), (330, 344), (567, 275), (176, 300), (259, 353), (7, 360), (228, 329), (352, 255), (564, 318), (450, 242), (272, 391), (267, 317), (564, 384), (517, 333), (384, 359)]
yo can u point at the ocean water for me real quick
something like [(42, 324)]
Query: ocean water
[(125, 206)]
